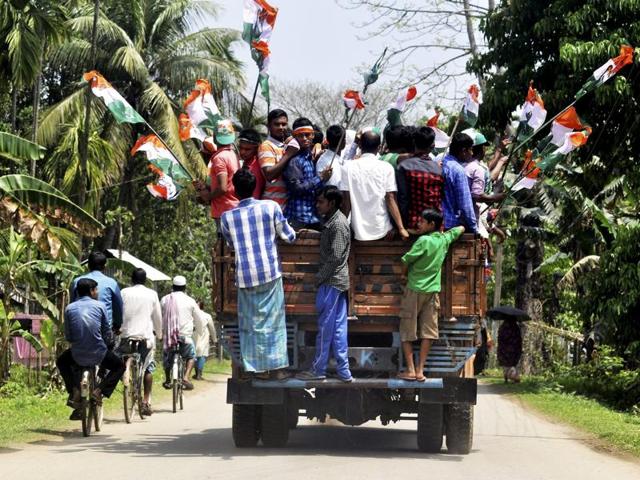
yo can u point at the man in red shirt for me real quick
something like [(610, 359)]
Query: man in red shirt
[(248, 142), (223, 164)]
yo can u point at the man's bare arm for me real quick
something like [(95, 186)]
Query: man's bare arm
[(394, 211)]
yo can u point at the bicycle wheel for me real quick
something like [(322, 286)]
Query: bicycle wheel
[(175, 394), (86, 417), (98, 415), (139, 387), (181, 385), (128, 394)]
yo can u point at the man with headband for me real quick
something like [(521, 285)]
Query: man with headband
[(248, 143), (303, 184)]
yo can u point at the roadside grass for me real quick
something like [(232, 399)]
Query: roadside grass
[(30, 414), (613, 431)]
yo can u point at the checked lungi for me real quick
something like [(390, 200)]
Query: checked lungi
[(331, 305), (262, 327)]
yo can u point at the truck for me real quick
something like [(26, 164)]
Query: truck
[(442, 406)]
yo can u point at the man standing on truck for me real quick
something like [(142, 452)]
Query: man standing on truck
[(420, 307), (333, 281), (457, 204), (251, 229)]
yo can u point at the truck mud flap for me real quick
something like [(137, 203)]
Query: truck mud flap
[(454, 390), (243, 393)]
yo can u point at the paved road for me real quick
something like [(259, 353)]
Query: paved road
[(509, 444)]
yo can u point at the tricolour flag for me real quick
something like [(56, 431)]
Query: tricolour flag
[(533, 113), (163, 187), (353, 100), (117, 105), (572, 141), (201, 106), (187, 130), (530, 172), (403, 97), (471, 106), (442, 139), (169, 170), (567, 122), (259, 20), (608, 70)]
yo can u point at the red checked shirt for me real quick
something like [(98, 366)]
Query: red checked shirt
[(420, 184)]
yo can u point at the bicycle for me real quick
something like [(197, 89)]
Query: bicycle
[(91, 410), (133, 380), (177, 374)]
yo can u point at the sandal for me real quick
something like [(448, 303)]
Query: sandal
[(421, 378), (407, 376)]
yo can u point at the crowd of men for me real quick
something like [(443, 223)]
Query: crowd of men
[(344, 185), (102, 324)]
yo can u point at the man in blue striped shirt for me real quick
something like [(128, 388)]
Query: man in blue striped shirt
[(251, 229), (457, 204)]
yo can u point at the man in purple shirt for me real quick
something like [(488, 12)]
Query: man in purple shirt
[(457, 204)]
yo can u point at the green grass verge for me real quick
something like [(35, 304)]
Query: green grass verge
[(613, 431), (28, 414)]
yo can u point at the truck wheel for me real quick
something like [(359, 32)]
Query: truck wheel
[(275, 426), (459, 430), (292, 418), (246, 425), (430, 427)]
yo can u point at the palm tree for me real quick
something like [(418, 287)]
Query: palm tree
[(152, 52)]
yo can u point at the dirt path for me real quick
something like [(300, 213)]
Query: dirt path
[(509, 444)]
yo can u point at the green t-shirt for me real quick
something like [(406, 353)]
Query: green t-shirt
[(425, 260), (391, 158)]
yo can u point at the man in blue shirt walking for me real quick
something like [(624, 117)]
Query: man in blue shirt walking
[(457, 203), (87, 329), (108, 290)]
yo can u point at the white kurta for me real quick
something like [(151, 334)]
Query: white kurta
[(204, 331)]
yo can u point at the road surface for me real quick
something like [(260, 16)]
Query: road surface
[(509, 444)]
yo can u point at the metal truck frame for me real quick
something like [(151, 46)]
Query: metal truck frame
[(442, 405)]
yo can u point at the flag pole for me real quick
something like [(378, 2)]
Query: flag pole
[(169, 148), (253, 100)]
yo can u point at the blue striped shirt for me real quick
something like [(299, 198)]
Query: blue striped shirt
[(251, 229), (457, 204)]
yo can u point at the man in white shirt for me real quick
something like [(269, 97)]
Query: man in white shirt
[(336, 140), (179, 312), (203, 333), (369, 187), (142, 319)]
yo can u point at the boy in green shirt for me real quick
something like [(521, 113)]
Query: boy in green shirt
[(421, 302)]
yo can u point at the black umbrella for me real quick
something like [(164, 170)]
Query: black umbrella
[(508, 313)]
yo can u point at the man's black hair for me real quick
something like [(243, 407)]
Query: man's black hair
[(318, 137), (138, 276), (334, 134), (460, 142), (423, 138), (244, 183), (433, 216), (332, 194), (393, 138), (84, 286), (407, 138), (250, 135), (97, 261), (178, 288), (370, 142), (301, 122), (276, 113), (478, 150)]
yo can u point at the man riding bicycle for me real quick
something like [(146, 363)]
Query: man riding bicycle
[(142, 319), (178, 313), (87, 328)]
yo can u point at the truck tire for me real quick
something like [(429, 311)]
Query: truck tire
[(430, 427), (459, 428), (246, 425), (275, 426)]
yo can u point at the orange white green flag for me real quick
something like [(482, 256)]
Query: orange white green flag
[(532, 114), (117, 105), (353, 100), (608, 70), (571, 142), (442, 139), (187, 130), (568, 121), (201, 107), (259, 19), (529, 172), (171, 175), (471, 106)]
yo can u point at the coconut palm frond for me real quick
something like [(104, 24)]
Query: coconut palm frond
[(128, 59), (108, 32)]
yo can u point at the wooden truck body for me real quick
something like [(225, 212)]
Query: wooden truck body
[(443, 405)]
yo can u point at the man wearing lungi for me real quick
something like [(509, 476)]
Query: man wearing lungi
[(251, 229)]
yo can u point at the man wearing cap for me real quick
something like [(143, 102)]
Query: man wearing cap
[(179, 312), (478, 175), (224, 163)]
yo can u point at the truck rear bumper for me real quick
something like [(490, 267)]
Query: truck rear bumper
[(445, 390)]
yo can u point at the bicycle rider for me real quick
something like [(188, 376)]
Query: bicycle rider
[(142, 318), (178, 313), (87, 329)]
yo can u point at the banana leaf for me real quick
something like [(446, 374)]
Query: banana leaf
[(18, 149)]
